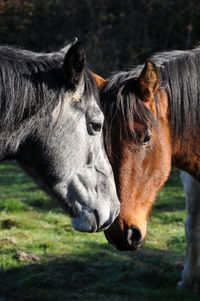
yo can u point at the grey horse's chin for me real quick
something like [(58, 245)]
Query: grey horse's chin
[(84, 223)]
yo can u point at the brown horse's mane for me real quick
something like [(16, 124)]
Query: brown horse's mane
[(179, 73)]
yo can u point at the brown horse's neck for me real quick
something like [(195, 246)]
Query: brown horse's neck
[(185, 152), (186, 155)]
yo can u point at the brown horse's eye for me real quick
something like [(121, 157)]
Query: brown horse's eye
[(147, 138)]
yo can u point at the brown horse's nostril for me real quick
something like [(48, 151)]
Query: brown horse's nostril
[(134, 237)]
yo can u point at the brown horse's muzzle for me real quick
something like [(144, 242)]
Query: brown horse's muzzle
[(128, 238)]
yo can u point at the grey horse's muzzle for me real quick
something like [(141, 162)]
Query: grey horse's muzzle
[(93, 201), (94, 220)]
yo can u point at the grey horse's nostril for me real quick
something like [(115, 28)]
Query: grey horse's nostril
[(106, 225), (97, 217), (134, 236)]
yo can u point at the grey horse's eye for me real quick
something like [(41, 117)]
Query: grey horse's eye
[(95, 127)]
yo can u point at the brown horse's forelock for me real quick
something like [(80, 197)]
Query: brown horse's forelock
[(122, 109)]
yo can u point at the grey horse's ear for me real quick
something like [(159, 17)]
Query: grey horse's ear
[(74, 63)]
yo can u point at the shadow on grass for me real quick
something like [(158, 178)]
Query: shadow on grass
[(102, 273)]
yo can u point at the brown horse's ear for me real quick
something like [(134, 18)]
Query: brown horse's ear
[(98, 79), (148, 81)]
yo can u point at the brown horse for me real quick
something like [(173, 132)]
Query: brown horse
[(152, 121)]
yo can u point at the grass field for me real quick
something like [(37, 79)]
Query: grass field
[(42, 258)]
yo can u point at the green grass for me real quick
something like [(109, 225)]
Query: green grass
[(79, 266)]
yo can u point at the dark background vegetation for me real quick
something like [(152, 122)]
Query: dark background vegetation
[(117, 34)]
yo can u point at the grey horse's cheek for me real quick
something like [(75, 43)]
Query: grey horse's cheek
[(90, 191)]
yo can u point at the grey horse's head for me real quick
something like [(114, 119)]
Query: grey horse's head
[(55, 132)]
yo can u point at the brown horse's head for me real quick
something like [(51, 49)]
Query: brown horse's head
[(137, 138)]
